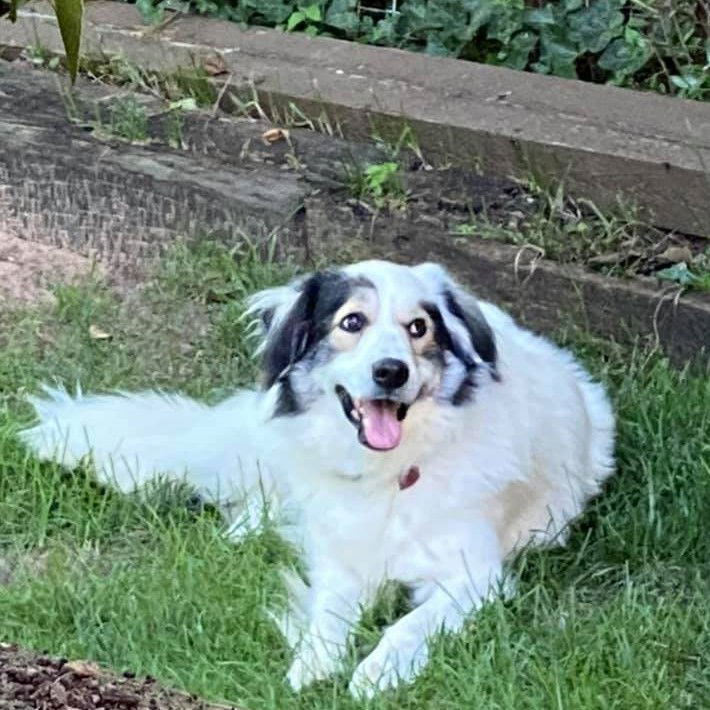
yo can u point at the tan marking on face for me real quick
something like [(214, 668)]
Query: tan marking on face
[(363, 301), (420, 345)]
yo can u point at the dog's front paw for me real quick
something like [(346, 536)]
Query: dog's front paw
[(386, 668), (310, 666)]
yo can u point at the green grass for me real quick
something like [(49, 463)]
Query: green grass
[(618, 619)]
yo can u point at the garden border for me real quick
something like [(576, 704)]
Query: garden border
[(602, 141), (73, 188)]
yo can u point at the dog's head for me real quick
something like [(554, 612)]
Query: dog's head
[(376, 337)]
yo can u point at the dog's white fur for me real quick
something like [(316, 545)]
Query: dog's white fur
[(511, 467)]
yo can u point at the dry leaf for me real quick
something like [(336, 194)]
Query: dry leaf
[(676, 255), (273, 135), (95, 333), (84, 669), (215, 65)]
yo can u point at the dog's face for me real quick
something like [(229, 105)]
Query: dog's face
[(376, 337)]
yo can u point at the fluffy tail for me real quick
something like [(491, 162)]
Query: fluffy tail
[(129, 437)]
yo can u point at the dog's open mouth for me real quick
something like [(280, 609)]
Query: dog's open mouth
[(378, 421)]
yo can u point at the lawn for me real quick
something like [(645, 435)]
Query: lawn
[(618, 619)]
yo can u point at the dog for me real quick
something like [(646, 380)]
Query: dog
[(403, 430)]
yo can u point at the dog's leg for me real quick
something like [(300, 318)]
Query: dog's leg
[(446, 603), (333, 608), (248, 516)]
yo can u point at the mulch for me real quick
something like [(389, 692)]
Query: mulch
[(38, 682)]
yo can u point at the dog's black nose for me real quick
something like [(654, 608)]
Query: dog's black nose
[(390, 373)]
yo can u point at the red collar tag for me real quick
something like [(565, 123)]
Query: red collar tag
[(409, 478)]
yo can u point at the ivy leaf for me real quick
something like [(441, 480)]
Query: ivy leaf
[(594, 27), (150, 11), (557, 55), (384, 32), (480, 13), (517, 54), (504, 20), (312, 13), (538, 18), (295, 19), (434, 46), (687, 82), (69, 16), (342, 14), (274, 12), (626, 55), (678, 273)]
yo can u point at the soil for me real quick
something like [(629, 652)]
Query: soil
[(28, 269), (34, 682)]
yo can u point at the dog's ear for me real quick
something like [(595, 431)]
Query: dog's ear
[(471, 337), (292, 318), (268, 308)]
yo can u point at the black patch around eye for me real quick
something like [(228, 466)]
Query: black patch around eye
[(307, 323)]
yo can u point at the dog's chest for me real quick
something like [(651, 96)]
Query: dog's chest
[(401, 534)]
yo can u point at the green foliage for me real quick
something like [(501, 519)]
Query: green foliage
[(69, 18), (683, 275), (658, 44), (305, 18), (129, 120), (380, 183)]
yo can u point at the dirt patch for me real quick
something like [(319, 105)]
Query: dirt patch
[(28, 269), (35, 682)]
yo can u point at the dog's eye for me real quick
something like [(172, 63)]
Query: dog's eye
[(417, 328), (353, 323)]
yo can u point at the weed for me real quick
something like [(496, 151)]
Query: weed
[(695, 276), (128, 120), (616, 241), (175, 121), (187, 83), (42, 57), (379, 183)]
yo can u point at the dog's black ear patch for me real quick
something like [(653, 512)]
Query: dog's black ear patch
[(480, 349), (478, 329), (306, 324), (479, 332)]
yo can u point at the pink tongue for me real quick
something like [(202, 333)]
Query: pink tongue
[(380, 426)]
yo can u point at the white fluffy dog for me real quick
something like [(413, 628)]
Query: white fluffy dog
[(404, 431)]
